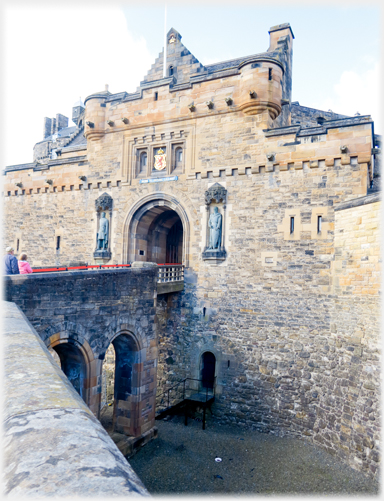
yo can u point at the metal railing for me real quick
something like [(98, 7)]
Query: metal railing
[(183, 390), (84, 267), (170, 273)]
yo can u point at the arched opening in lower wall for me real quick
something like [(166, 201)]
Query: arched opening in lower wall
[(76, 359), (72, 363), (121, 375), (207, 370), (158, 232)]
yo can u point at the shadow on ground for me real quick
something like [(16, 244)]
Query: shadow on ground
[(182, 461)]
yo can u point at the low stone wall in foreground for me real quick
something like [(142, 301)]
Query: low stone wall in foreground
[(53, 444)]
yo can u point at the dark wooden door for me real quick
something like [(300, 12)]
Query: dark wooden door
[(208, 364)]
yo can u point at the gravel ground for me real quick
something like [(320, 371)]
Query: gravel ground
[(182, 461)]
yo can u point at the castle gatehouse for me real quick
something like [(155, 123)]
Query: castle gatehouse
[(268, 211)]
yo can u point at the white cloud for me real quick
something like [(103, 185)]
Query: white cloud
[(357, 93), (53, 56)]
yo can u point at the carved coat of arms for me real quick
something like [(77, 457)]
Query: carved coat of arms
[(160, 160)]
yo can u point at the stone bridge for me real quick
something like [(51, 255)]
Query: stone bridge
[(79, 314)]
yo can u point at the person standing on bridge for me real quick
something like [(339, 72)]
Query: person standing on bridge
[(24, 265), (10, 262)]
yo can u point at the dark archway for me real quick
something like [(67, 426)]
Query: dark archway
[(208, 368), (157, 234), (127, 376), (140, 245), (73, 365), (125, 358)]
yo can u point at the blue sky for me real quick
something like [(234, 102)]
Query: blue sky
[(56, 52)]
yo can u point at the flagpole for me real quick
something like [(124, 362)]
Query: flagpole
[(165, 43)]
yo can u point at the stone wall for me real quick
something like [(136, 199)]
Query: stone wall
[(66, 209), (297, 349), (88, 310), (53, 445)]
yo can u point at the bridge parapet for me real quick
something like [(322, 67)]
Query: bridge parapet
[(53, 445)]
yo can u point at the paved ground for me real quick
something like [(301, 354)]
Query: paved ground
[(182, 461)]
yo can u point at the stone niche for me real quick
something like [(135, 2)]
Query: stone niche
[(215, 205), (104, 205)]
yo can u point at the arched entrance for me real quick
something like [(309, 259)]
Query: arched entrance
[(208, 368), (158, 231), (76, 359), (73, 365), (126, 375)]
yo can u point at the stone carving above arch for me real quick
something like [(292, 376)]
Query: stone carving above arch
[(216, 192), (104, 202)]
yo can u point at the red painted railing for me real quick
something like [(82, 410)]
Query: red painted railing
[(87, 267), (176, 271)]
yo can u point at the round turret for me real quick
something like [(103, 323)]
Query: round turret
[(261, 86)]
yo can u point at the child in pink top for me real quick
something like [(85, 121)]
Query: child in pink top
[(24, 265)]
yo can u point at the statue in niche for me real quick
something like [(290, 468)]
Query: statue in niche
[(102, 235), (215, 223)]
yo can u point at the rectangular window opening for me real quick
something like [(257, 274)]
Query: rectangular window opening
[(319, 221), (156, 96), (141, 253), (292, 225), (58, 243), (270, 74), (18, 245)]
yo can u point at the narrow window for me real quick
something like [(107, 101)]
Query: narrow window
[(156, 96), (319, 221), (204, 310), (270, 74), (17, 246), (170, 71), (178, 157), (292, 226), (143, 161), (57, 243), (229, 363)]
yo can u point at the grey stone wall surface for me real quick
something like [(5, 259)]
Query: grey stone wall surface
[(284, 365), (93, 304), (53, 445), (89, 310)]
